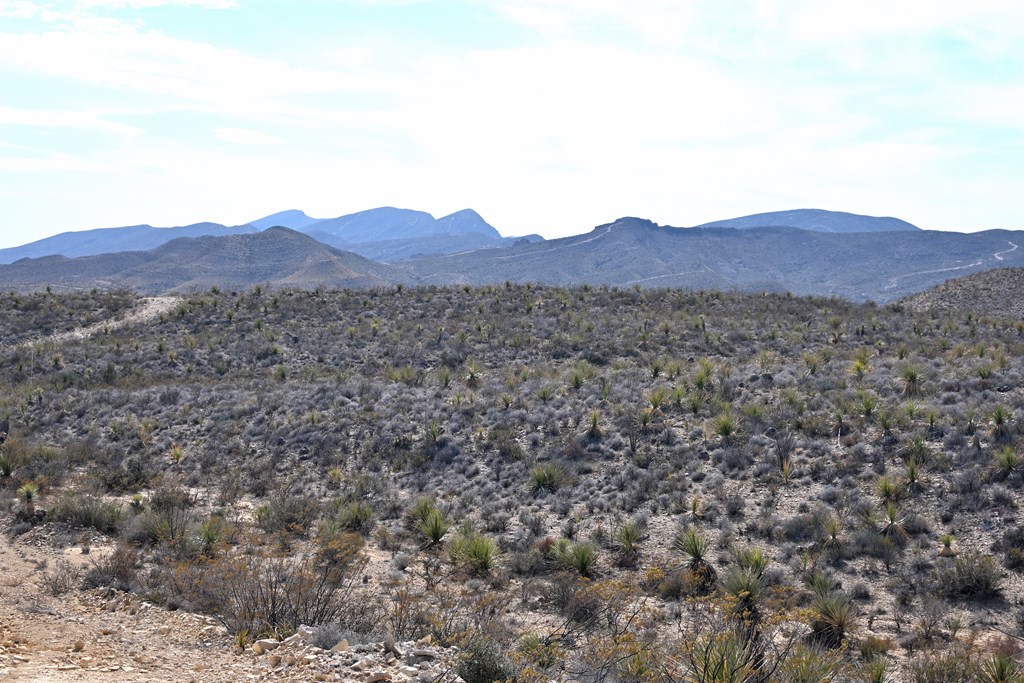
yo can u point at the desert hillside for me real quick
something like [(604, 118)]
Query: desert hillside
[(996, 293), (509, 482)]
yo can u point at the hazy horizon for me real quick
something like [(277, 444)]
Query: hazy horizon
[(544, 117)]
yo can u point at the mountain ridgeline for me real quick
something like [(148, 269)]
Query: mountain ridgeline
[(806, 252)]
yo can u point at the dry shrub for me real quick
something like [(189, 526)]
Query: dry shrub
[(266, 594)]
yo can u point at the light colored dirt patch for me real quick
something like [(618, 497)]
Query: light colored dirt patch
[(151, 307), (122, 638)]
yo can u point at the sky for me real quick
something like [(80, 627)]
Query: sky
[(546, 117)]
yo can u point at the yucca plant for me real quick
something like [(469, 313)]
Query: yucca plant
[(578, 557), (28, 493), (695, 547), (725, 425), (1001, 667), (893, 525), (832, 618), (594, 430), (820, 583), (434, 527), (875, 670), (912, 378), (1007, 460), (832, 543), (745, 588), (209, 533), (808, 664), (888, 489), (751, 559), (548, 476), (476, 552), (629, 536), (8, 464), (1000, 419)]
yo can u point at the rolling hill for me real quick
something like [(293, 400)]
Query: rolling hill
[(275, 256), (817, 220), (879, 266), (995, 293), (108, 240)]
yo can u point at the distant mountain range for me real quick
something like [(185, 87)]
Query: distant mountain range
[(384, 234), (828, 253)]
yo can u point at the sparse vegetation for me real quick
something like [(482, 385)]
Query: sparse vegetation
[(641, 476)]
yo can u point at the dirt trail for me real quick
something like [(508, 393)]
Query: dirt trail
[(151, 307), (100, 636)]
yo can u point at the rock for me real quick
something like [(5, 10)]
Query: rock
[(424, 652), (378, 676), (265, 645), (273, 661), (362, 664), (391, 646), (340, 646), (410, 671), (78, 646)]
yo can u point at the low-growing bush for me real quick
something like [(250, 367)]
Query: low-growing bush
[(969, 576), (82, 510)]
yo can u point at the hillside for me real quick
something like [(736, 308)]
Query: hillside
[(858, 266), (995, 293), (274, 256), (817, 220), (539, 483)]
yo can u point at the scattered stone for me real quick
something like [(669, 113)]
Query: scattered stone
[(341, 646), (265, 645)]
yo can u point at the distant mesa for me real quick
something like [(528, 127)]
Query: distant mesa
[(817, 220)]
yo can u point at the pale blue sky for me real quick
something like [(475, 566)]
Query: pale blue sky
[(544, 116)]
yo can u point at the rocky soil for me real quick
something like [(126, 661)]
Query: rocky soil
[(104, 635), (994, 293)]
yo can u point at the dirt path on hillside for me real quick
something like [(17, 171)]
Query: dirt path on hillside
[(150, 308), (100, 635)]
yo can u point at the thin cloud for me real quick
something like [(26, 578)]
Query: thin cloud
[(244, 136)]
